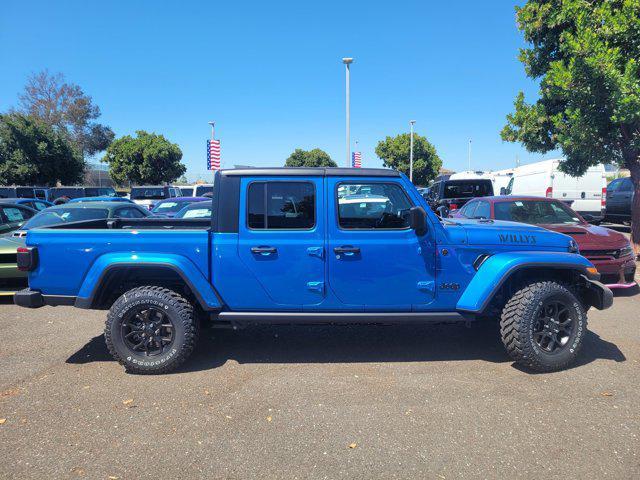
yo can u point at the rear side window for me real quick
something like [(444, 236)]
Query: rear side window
[(383, 206), (281, 205), (129, 212)]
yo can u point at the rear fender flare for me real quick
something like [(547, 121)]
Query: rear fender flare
[(197, 282)]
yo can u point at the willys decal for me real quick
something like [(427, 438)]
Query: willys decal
[(517, 238)]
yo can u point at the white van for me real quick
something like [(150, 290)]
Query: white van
[(586, 194)]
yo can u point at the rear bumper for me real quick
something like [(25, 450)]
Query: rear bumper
[(33, 299)]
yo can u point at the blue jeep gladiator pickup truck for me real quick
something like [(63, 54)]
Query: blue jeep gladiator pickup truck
[(314, 245)]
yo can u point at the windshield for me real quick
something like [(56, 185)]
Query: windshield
[(535, 212), (144, 193), (57, 216), (170, 206)]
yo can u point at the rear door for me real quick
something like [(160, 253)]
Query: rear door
[(375, 261), (281, 238)]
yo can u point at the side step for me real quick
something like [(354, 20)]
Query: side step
[(341, 317)]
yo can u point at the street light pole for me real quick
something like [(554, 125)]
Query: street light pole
[(213, 124), (411, 122), (347, 62)]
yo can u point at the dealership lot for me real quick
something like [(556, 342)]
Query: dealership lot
[(320, 402)]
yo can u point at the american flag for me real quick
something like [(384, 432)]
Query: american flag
[(356, 160), (213, 154)]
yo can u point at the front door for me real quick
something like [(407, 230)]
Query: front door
[(281, 238), (375, 260)]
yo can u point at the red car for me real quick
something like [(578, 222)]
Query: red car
[(608, 250)]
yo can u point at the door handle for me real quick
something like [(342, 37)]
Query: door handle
[(347, 250), (264, 250)]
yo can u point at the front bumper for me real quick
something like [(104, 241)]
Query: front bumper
[(597, 294), (616, 273)]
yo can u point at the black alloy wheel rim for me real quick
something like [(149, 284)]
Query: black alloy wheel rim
[(554, 326), (148, 331)]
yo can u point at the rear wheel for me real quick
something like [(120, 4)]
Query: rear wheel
[(543, 326), (151, 330)]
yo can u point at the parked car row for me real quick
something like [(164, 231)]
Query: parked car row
[(588, 195)]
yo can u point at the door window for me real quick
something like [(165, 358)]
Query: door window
[(384, 206), (626, 186), (281, 205)]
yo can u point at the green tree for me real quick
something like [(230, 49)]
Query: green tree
[(145, 159), (586, 56), (311, 158), (395, 152), (33, 153), (68, 109)]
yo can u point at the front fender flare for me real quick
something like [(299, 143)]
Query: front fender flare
[(185, 268), (499, 267)]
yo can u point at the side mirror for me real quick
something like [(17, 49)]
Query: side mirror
[(442, 211), (503, 191), (418, 220), (588, 217)]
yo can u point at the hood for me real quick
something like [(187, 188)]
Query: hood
[(497, 232), (592, 237)]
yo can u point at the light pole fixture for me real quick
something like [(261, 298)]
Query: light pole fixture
[(213, 124), (348, 61), (411, 123)]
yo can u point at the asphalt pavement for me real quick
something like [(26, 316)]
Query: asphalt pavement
[(439, 401)]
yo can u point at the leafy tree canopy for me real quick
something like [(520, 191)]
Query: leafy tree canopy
[(311, 158), (145, 159), (67, 108), (33, 153), (586, 55), (395, 152)]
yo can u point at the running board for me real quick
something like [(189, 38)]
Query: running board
[(342, 317)]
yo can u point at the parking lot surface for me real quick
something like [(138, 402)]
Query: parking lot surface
[(439, 401)]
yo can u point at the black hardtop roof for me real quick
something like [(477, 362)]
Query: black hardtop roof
[(311, 172)]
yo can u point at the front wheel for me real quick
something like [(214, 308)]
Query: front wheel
[(543, 326), (151, 330)]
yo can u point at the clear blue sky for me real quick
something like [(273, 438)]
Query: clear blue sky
[(270, 73)]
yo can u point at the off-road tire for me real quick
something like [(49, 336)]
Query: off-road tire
[(179, 311), (518, 321)]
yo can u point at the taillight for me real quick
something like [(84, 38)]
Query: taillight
[(549, 192), (453, 206), (27, 258), (603, 200)]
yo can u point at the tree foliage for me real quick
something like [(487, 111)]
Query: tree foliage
[(68, 109), (311, 158), (33, 153), (395, 152), (586, 56), (146, 159)]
